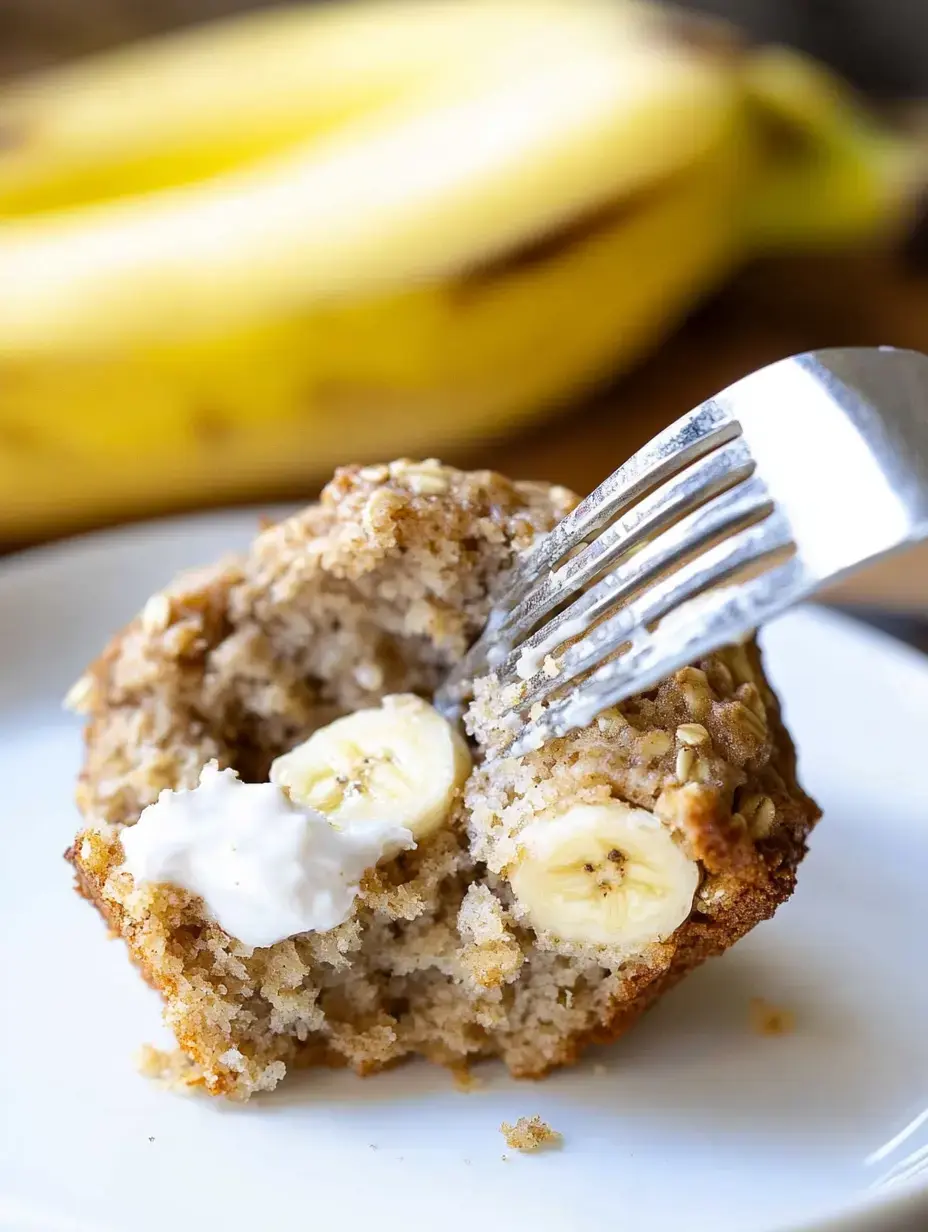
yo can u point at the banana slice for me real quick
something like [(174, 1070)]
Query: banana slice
[(605, 874), (401, 763)]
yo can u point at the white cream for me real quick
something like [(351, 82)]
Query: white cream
[(265, 868)]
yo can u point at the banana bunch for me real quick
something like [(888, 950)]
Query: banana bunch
[(238, 256)]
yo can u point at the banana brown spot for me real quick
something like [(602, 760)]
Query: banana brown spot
[(211, 428), (20, 437), (542, 250), (11, 137)]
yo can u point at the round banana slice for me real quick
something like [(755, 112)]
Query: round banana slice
[(604, 874), (401, 763)]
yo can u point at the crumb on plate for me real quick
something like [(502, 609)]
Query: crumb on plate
[(530, 1134), (768, 1019)]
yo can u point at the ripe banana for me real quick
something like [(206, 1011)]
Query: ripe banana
[(400, 763), (234, 258), (604, 874)]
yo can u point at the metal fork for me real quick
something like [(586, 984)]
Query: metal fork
[(761, 496)]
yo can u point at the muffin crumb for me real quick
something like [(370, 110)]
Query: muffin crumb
[(530, 1134), (768, 1019)]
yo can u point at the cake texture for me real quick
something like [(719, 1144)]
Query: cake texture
[(377, 590)]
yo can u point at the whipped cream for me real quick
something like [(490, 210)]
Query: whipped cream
[(265, 868)]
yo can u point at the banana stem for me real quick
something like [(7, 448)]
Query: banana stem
[(828, 172)]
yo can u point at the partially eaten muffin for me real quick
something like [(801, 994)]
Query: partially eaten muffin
[(326, 871)]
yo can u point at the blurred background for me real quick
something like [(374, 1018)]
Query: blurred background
[(241, 245), (880, 47)]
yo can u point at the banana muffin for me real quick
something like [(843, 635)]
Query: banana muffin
[(313, 866)]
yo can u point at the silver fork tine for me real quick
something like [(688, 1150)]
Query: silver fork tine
[(711, 620), (690, 437), (711, 568), (692, 547), (687, 440), (746, 502), (701, 480)]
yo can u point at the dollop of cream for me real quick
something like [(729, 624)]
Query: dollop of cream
[(265, 868)]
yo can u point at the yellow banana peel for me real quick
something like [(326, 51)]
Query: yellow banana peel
[(237, 257), (831, 173)]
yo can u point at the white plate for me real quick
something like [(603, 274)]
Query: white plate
[(697, 1123)]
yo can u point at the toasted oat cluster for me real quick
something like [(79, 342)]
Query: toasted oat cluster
[(562, 893)]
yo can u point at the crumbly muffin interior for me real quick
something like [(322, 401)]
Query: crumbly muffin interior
[(379, 589)]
